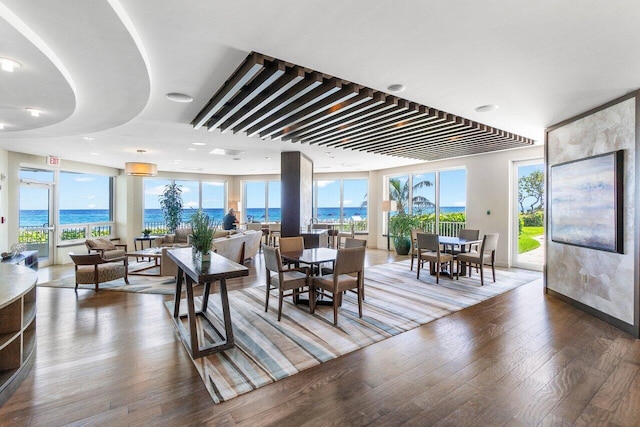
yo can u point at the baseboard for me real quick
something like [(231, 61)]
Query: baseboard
[(613, 321)]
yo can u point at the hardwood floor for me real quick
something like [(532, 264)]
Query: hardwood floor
[(522, 358)]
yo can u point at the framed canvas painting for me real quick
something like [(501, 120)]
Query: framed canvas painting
[(586, 202)]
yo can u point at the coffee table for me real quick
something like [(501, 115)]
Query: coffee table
[(154, 254)]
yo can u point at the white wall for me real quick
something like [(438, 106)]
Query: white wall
[(4, 201)]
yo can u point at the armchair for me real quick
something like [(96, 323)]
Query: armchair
[(282, 279), (93, 269), (105, 248)]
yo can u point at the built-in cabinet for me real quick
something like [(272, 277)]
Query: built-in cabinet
[(17, 326)]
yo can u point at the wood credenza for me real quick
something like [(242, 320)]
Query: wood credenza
[(17, 326)]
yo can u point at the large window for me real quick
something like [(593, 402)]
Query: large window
[(438, 198), (342, 201), (80, 203), (262, 201), (209, 196)]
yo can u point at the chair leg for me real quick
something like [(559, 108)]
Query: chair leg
[(493, 270), (266, 301), (412, 256), (437, 274), (335, 310), (280, 303), (312, 299), (418, 267), (360, 298), (481, 275)]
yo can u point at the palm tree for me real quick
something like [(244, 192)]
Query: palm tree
[(400, 193)]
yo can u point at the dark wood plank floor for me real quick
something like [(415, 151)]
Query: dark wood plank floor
[(113, 358)]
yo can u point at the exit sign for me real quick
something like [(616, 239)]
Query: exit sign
[(53, 161)]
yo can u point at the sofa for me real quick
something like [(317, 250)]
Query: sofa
[(233, 245), (182, 236)]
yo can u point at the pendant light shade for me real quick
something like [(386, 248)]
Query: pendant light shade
[(140, 169)]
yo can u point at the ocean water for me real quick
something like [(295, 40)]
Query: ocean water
[(83, 216)]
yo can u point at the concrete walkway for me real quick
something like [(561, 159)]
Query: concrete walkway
[(535, 256)]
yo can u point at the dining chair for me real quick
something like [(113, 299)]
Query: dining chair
[(348, 243), (348, 261), (467, 234), (322, 227), (414, 244), (429, 251), (291, 244), (274, 234), (486, 255), (278, 277), (345, 234)]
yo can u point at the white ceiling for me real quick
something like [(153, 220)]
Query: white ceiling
[(101, 69)]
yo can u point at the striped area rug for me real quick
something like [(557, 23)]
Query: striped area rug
[(267, 350)]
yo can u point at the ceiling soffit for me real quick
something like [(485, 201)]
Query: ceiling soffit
[(270, 98)]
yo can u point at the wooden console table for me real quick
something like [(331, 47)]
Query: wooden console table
[(219, 268), (17, 326)]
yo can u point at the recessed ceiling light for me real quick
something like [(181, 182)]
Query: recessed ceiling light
[(1, 126), (179, 97), (34, 112), (8, 64), (224, 151), (396, 88), (191, 149), (268, 158), (95, 154), (88, 138), (198, 143), (486, 108)]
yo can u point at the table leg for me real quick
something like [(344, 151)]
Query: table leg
[(176, 298), (191, 319), (226, 313)]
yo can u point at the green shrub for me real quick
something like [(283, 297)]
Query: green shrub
[(535, 219)]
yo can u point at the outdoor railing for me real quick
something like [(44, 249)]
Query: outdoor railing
[(450, 229)]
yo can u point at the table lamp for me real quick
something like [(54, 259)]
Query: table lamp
[(389, 206)]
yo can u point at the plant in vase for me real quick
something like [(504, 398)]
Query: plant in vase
[(400, 226), (146, 232), (202, 230)]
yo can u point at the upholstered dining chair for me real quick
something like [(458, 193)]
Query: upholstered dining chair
[(414, 244), (486, 255), (291, 244), (345, 234), (274, 234), (429, 251), (348, 243), (283, 279), (348, 261), (93, 269), (467, 234)]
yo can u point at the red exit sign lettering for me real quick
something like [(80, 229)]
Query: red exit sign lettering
[(53, 161)]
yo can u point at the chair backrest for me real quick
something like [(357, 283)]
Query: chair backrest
[(489, 243), (275, 227), (354, 243), (349, 260), (469, 234), (272, 259), (319, 226), (428, 242), (90, 259), (100, 244), (291, 244), (254, 226)]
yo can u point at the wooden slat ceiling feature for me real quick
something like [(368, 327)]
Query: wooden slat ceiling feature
[(272, 99)]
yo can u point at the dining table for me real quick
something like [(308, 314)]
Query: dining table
[(449, 244), (314, 258)]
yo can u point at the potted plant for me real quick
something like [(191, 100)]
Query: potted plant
[(400, 226), (171, 205), (202, 230), (146, 232)]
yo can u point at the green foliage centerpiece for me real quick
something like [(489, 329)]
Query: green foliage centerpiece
[(202, 230), (171, 205)]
